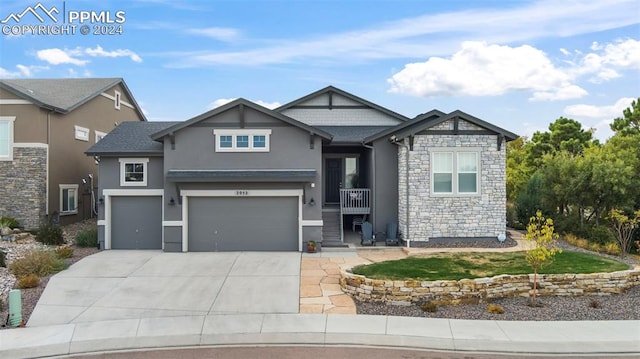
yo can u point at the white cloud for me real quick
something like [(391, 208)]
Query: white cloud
[(479, 69), (100, 52), (219, 33), (58, 56), (563, 93), (621, 54), (599, 112), (435, 34), (22, 71), (223, 101)]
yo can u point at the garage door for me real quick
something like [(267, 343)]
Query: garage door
[(243, 224), (136, 222)]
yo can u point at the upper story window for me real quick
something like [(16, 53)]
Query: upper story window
[(242, 140), (455, 172), (133, 171), (6, 138), (81, 133), (117, 99), (68, 199)]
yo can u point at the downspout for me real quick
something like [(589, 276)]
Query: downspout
[(46, 190), (406, 187), (373, 182)]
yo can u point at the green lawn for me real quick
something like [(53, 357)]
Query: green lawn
[(455, 266)]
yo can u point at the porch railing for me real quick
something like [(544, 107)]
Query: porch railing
[(355, 201)]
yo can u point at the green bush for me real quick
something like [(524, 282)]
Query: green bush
[(28, 281), (88, 238), (601, 235), (50, 234), (64, 252), (530, 200), (9, 222), (38, 262)]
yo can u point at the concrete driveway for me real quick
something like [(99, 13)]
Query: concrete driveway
[(119, 284)]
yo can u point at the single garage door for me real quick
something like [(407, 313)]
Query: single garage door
[(136, 222), (243, 224)]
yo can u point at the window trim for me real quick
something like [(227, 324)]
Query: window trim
[(117, 99), (234, 133), (455, 190), (99, 134), (10, 120), (62, 188), (85, 130), (145, 172)]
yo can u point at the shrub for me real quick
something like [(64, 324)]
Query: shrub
[(50, 234), (2, 258), (601, 235), (28, 281), (594, 304), (495, 309), (429, 307), (612, 248), (64, 252), (9, 222), (88, 238), (38, 262), (569, 224)]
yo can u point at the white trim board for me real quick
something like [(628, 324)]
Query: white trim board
[(312, 223), (16, 101)]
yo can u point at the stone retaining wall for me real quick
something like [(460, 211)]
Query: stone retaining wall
[(482, 289)]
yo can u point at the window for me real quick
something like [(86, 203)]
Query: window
[(6, 138), (68, 199), (81, 133), (467, 172), (242, 140), (117, 100), (455, 172), (133, 171), (99, 136)]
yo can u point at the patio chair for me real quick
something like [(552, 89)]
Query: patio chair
[(392, 234), (367, 238), (357, 221)]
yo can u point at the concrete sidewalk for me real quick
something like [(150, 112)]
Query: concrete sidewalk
[(602, 337)]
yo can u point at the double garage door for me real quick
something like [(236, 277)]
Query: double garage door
[(242, 224)]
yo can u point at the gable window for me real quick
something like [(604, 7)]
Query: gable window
[(455, 172), (117, 100), (81, 133), (242, 140), (99, 136), (133, 171), (68, 199), (6, 138)]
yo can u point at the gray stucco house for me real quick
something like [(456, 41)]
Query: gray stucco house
[(243, 177)]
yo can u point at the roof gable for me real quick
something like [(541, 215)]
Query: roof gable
[(237, 103), (64, 95), (424, 122), (405, 126), (332, 106), (131, 138)]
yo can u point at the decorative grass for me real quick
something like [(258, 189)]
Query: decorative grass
[(456, 266)]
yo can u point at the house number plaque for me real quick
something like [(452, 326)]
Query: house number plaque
[(242, 193)]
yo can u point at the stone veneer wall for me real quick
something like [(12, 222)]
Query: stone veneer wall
[(481, 289), (430, 216), (23, 185)]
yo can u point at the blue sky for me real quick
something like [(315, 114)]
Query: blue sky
[(517, 64)]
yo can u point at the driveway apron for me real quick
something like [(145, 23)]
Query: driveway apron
[(123, 284)]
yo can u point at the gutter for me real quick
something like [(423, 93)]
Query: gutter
[(394, 140)]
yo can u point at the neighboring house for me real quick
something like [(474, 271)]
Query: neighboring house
[(46, 125), (243, 177)]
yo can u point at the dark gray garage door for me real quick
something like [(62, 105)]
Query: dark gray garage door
[(243, 224), (136, 222)]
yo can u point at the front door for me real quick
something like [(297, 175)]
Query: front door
[(333, 179)]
